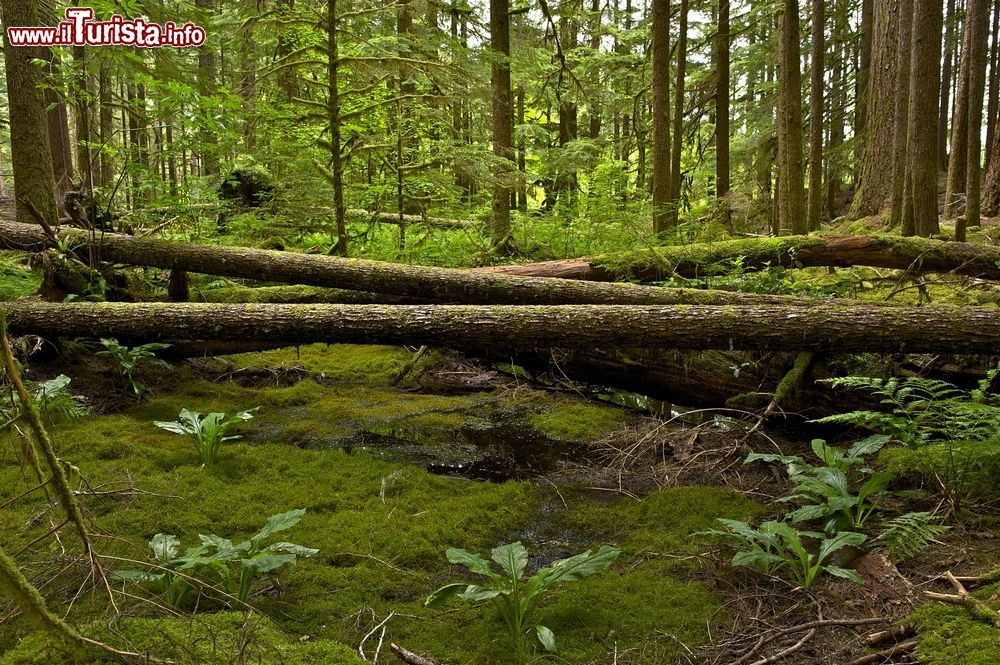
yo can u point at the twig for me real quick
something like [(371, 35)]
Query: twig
[(409, 657), (381, 624), (408, 367), (787, 652), (885, 654)]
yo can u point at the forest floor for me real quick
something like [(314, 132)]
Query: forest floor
[(457, 455)]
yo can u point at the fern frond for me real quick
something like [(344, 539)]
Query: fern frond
[(903, 537)]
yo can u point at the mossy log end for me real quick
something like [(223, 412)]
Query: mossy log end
[(823, 327), (878, 251), (424, 283)]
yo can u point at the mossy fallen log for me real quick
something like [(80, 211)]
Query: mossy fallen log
[(823, 327), (424, 283), (878, 251)]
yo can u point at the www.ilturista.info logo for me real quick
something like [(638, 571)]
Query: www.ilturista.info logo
[(79, 29)]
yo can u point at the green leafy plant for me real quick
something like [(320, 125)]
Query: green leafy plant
[(827, 489), (52, 400), (515, 599), (128, 359), (207, 432), (904, 536), (217, 561), (920, 410), (776, 547)]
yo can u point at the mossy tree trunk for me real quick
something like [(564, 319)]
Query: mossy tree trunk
[(925, 76), (33, 182), (822, 327)]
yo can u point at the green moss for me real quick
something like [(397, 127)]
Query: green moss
[(16, 279), (966, 468), (339, 362), (202, 639), (948, 634), (576, 421)]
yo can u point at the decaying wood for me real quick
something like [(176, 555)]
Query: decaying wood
[(886, 654), (425, 283), (878, 251), (509, 329), (409, 657), (979, 610), (405, 220)]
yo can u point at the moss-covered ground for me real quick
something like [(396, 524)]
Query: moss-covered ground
[(381, 522)]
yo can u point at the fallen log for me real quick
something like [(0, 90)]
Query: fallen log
[(424, 283), (405, 220), (509, 329), (877, 251)]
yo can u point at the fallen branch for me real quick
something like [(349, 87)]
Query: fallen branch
[(409, 657), (886, 654)]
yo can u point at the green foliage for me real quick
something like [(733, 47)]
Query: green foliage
[(948, 635), (827, 490), (777, 548), (903, 537), (52, 400), (923, 410), (206, 432), (514, 599), (127, 360), (217, 561)]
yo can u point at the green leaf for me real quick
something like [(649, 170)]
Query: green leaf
[(265, 562), (475, 592), (444, 593), (875, 484), (292, 548), (546, 637), (765, 562), (867, 446), (175, 427), (217, 542), (513, 559), (473, 562), (846, 573), (280, 522), (164, 546), (841, 540), (580, 566)]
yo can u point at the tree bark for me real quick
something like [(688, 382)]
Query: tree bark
[(900, 173), (508, 329), (34, 185), (660, 38), (925, 76), (658, 263), (791, 193), (722, 103), (874, 183), (427, 284), (816, 116), (958, 157), (675, 155), (977, 17), (945, 93), (994, 98), (501, 117), (333, 117)]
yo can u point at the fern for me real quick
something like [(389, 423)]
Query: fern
[(51, 399), (920, 411), (903, 537)]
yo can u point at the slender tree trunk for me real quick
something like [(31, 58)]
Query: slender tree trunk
[(34, 187), (722, 103), (502, 139), (106, 125), (522, 181), (83, 114), (991, 191), (206, 88), (977, 17), (867, 28), (57, 121), (660, 44), (837, 113), (958, 157), (816, 116), (946, 73), (791, 199), (596, 92), (900, 171), (992, 107), (333, 117), (171, 158), (286, 75), (925, 73), (675, 157)]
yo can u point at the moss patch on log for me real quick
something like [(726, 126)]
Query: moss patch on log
[(16, 279), (948, 634)]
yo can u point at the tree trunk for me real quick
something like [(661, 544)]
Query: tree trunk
[(675, 157), (57, 121), (900, 172), (333, 117), (958, 157), (885, 251), (977, 17), (427, 284), (105, 83), (992, 106), (501, 117), (835, 165), (509, 329), (816, 116), (945, 93), (30, 158), (83, 114), (791, 197), (660, 180), (206, 87), (722, 103), (925, 77), (863, 79), (874, 184)]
